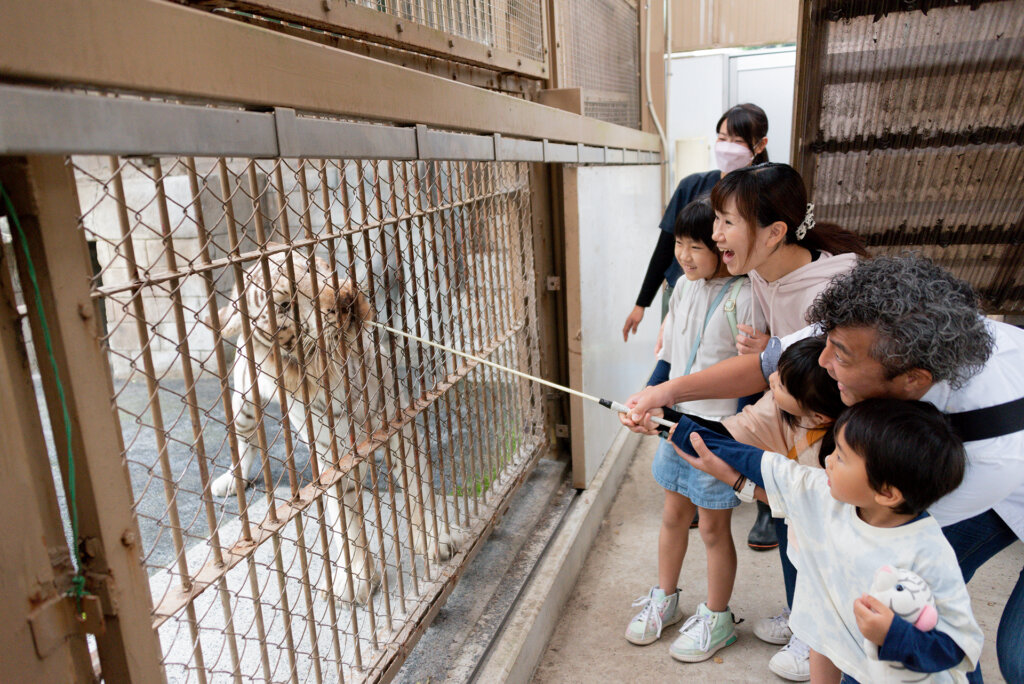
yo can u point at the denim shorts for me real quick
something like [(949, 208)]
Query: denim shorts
[(676, 475)]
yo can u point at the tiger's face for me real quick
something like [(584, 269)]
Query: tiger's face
[(287, 315)]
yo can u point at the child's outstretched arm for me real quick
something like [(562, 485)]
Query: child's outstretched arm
[(716, 454), (900, 641)]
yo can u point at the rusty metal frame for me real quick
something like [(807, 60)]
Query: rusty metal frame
[(47, 43), (363, 22), (36, 558), (477, 184), (45, 198)]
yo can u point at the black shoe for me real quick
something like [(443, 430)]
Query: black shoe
[(696, 521), (762, 535)]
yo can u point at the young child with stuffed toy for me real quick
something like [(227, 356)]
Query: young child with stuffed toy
[(867, 509)]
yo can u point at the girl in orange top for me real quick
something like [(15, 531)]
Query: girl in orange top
[(795, 417)]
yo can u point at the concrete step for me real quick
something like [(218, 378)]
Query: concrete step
[(458, 639)]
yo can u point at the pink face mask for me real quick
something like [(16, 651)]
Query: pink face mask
[(732, 156)]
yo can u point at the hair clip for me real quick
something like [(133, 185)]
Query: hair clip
[(807, 224)]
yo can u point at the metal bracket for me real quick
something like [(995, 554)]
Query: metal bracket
[(59, 618), (554, 283)]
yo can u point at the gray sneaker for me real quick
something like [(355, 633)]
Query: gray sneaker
[(774, 630), (659, 611)]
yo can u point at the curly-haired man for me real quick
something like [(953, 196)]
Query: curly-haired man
[(904, 328)]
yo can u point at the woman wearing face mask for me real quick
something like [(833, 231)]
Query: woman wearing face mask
[(742, 140)]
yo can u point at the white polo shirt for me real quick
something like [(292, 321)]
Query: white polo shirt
[(994, 477)]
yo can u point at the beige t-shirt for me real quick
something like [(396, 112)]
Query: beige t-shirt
[(761, 425)]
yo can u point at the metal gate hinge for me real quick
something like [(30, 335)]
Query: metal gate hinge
[(554, 283), (59, 617), (561, 430)]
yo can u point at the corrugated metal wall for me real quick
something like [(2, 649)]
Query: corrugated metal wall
[(909, 128)]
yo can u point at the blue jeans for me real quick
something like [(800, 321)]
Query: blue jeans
[(975, 540), (788, 570)]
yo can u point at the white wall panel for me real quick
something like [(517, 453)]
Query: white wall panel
[(618, 211)]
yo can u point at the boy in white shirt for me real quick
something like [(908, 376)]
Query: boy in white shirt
[(892, 460)]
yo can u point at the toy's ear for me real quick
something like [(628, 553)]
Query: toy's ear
[(928, 618), (885, 579)]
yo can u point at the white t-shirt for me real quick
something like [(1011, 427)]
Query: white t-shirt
[(687, 310), (994, 478), (836, 555)]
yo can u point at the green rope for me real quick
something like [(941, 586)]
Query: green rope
[(78, 581)]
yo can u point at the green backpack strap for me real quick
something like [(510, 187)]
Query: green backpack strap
[(730, 306)]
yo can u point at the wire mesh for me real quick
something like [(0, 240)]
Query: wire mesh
[(600, 54), (919, 137), (516, 26), (300, 479)]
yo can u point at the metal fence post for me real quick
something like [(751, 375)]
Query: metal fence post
[(36, 625), (45, 198)]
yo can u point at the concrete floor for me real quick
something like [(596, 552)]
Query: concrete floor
[(588, 645)]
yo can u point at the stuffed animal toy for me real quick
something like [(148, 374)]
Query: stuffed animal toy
[(908, 596)]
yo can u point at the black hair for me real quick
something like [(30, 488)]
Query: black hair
[(812, 387), (747, 121), (770, 192), (908, 445), (697, 221)]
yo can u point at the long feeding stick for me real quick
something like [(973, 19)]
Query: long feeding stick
[(607, 403)]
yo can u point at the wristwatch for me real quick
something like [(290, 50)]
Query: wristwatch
[(745, 492)]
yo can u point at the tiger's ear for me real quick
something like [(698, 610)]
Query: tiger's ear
[(353, 309)]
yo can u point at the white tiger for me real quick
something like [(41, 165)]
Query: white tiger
[(285, 319)]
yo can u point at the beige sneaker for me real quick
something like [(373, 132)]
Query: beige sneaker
[(659, 611)]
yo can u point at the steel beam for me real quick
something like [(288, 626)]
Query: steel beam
[(151, 47)]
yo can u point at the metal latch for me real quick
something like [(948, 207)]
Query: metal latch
[(59, 617), (554, 283)]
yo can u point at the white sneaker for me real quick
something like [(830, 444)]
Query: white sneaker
[(793, 662), (774, 630), (659, 611)]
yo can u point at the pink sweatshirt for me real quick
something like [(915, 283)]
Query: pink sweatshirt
[(786, 300)]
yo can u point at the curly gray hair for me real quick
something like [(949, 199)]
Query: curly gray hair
[(924, 316)]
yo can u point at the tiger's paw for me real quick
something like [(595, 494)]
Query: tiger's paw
[(363, 588), (442, 546), (224, 485)]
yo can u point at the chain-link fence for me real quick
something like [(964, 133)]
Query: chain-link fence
[(303, 479)]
